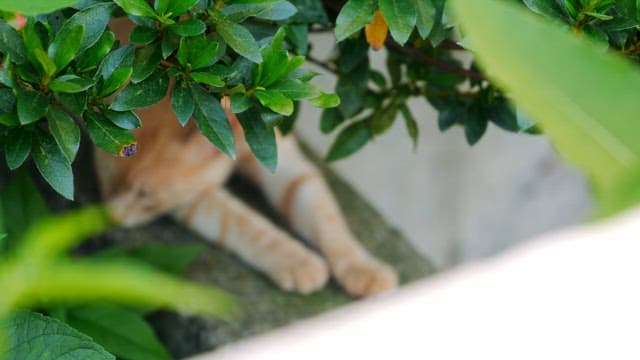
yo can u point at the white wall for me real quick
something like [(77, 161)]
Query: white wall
[(455, 202)]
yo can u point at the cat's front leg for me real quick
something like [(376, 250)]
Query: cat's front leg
[(220, 217), (299, 191)]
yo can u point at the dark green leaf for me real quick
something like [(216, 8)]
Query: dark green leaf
[(136, 7), (309, 12), (65, 46), (52, 164), (169, 44), (350, 140), (330, 119), (351, 89), (109, 137), (400, 16), (382, 119), (355, 14), (74, 102), (261, 138), (449, 117), (7, 100), (18, 147), (11, 43), (124, 119), (65, 132), (115, 60), (121, 331), (239, 103), (142, 35), (170, 258), (178, 7), (502, 115), (145, 61), (182, 101), (32, 105), (275, 101), (191, 27), (22, 205), (411, 124), (298, 34), (93, 55), (142, 94), (197, 52), (212, 121), (239, 39), (475, 126), (115, 81), (37, 337), (70, 84), (94, 19)]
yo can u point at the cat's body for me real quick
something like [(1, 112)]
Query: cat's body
[(177, 171)]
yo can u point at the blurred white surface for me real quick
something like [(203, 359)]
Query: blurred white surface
[(456, 203), (570, 295)]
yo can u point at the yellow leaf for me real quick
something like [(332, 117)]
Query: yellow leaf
[(376, 32)]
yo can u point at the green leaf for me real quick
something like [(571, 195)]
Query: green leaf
[(545, 7), (296, 89), (38, 337), (350, 140), (94, 19), (142, 35), (275, 61), (70, 84), (65, 132), (325, 101), (34, 7), (46, 65), (22, 205), (197, 52), (275, 101), (182, 101), (11, 42), (121, 331), (93, 55), (411, 124), (401, 17), (355, 14), (239, 103), (17, 147), (124, 119), (330, 119), (475, 126), (271, 10), (179, 7), (116, 60), (142, 94), (161, 6), (382, 119), (207, 78), (65, 46), (52, 164), (136, 7), (74, 102), (115, 81), (425, 12), (32, 105), (191, 27), (212, 121), (145, 61), (170, 258), (596, 131), (260, 137), (109, 137), (239, 39)]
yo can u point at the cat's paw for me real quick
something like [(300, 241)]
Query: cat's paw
[(303, 273), (365, 276)]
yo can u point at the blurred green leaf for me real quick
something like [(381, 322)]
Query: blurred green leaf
[(22, 205), (350, 140), (355, 14), (38, 337), (382, 119), (172, 258), (65, 132), (401, 17), (410, 123), (325, 101), (330, 119), (598, 133), (34, 7), (261, 138), (425, 12), (52, 164)]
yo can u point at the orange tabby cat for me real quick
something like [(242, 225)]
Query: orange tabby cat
[(178, 171)]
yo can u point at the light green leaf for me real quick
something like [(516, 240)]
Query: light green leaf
[(34, 7), (260, 137), (239, 39), (296, 89), (52, 164), (275, 101), (597, 131), (37, 337), (350, 140), (65, 46), (65, 132), (109, 137), (355, 14), (212, 121), (326, 101), (122, 332), (400, 16), (179, 7), (142, 94), (270, 10), (207, 78), (136, 7), (70, 84)]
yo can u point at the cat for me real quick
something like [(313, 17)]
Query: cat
[(177, 171)]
